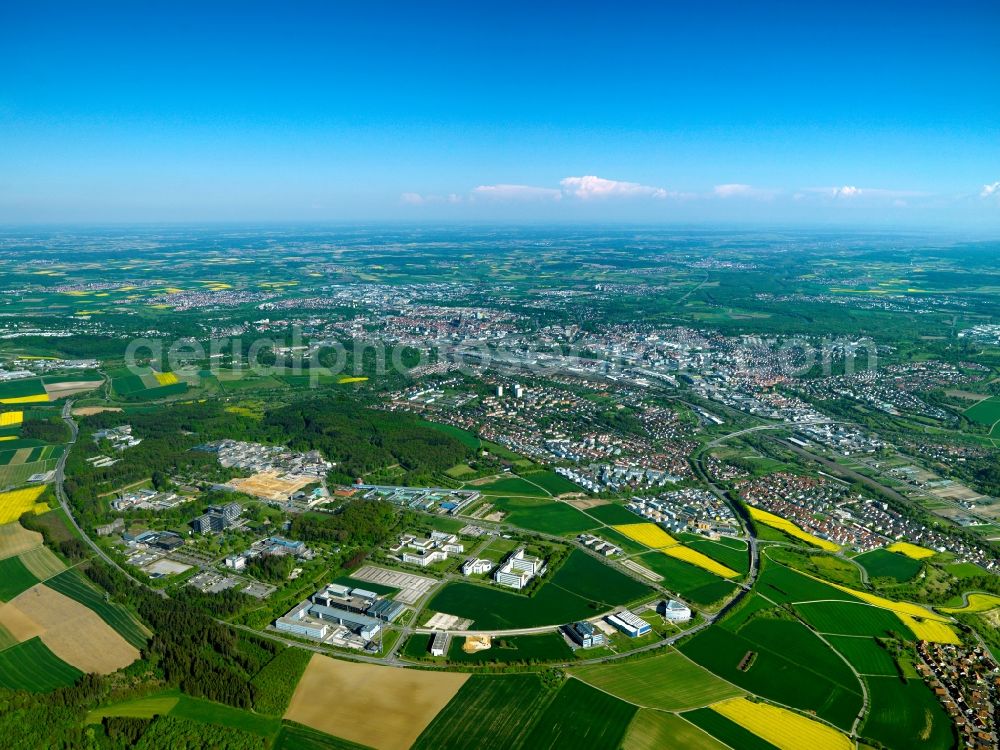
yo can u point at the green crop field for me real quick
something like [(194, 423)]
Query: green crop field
[(512, 485), (691, 582), (489, 712), (73, 585), (31, 666), (547, 516), (521, 648), (568, 596), (881, 563), (14, 578), (581, 717), (737, 559), (551, 482), (784, 585), (209, 712), (864, 654), (796, 643), (297, 737), (750, 605), (655, 730), (613, 513), (6, 638), (669, 681), (21, 388), (771, 675), (729, 732), (906, 714), (845, 618), (985, 412)]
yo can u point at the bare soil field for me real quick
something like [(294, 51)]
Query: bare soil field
[(582, 503), (269, 485), (15, 539), (72, 388), (72, 632), (87, 411), (383, 707)]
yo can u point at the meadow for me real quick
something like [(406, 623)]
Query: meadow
[(985, 412), (489, 712), (881, 563), (612, 513), (581, 717), (551, 482), (669, 681), (32, 666), (294, 736)]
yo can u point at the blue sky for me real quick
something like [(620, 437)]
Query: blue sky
[(874, 112)]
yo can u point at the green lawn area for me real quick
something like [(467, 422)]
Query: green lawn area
[(160, 703), (906, 714), (509, 485), (546, 516), (31, 666), (581, 717), (655, 730), (552, 482), (846, 618), (569, 595), (669, 681), (489, 712), (14, 578), (864, 654), (881, 563)]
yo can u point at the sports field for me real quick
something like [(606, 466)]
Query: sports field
[(655, 730), (581, 717), (32, 666), (489, 712), (383, 707), (670, 681), (782, 728), (786, 526)]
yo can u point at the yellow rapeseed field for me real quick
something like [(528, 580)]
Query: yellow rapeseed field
[(934, 631), (911, 550), (17, 502), (695, 557), (647, 533), (782, 728), (348, 379), (783, 524), (11, 418), (165, 378), (25, 399), (977, 603)]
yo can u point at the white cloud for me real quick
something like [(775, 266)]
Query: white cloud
[(516, 193), (414, 199), (848, 191), (591, 186), (991, 189), (740, 190)]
